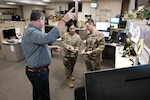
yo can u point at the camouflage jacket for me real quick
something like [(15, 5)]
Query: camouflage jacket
[(95, 42), (68, 40)]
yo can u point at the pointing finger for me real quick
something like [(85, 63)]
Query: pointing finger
[(70, 11)]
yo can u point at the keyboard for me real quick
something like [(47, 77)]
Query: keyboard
[(13, 41)]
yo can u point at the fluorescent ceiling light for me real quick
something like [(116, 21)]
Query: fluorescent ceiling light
[(75, 0), (46, 0), (11, 3)]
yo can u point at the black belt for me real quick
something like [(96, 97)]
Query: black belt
[(41, 68)]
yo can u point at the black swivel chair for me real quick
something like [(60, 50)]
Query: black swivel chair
[(115, 37), (79, 93)]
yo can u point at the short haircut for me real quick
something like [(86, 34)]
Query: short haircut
[(36, 14), (71, 24), (90, 21)]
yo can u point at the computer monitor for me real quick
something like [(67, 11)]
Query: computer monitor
[(106, 33), (122, 24), (103, 26), (114, 20), (130, 83), (16, 18), (9, 33), (114, 25)]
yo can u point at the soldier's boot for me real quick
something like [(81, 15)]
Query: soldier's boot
[(72, 78), (69, 83)]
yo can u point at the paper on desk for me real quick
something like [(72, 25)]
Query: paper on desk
[(17, 30), (12, 48)]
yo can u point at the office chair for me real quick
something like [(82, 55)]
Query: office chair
[(79, 93), (115, 37)]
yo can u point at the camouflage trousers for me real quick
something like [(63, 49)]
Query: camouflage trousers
[(92, 65), (69, 63)]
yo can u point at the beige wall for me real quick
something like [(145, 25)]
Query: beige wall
[(105, 10), (27, 10)]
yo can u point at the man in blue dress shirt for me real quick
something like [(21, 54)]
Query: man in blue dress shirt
[(37, 53)]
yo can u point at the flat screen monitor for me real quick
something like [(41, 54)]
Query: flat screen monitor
[(114, 25), (114, 20), (9, 33), (103, 26), (132, 83), (106, 33), (122, 24), (16, 18)]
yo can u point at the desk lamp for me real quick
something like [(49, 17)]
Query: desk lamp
[(127, 43), (129, 50)]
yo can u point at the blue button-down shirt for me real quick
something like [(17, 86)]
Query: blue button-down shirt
[(35, 45)]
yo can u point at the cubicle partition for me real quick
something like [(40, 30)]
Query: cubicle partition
[(127, 80), (139, 32), (10, 36), (130, 83)]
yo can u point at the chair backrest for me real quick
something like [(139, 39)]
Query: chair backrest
[(115, 36), (122, 37), (79, 93)]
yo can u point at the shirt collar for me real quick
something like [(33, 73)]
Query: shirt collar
[(32, 25)]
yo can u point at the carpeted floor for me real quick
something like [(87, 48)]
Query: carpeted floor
[(14, 84)]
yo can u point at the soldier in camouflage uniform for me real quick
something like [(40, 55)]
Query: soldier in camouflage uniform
[(95, 44), (71, 42)]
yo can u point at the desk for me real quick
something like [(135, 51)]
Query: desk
[(121, 62), (13, 51), (114, 51)]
